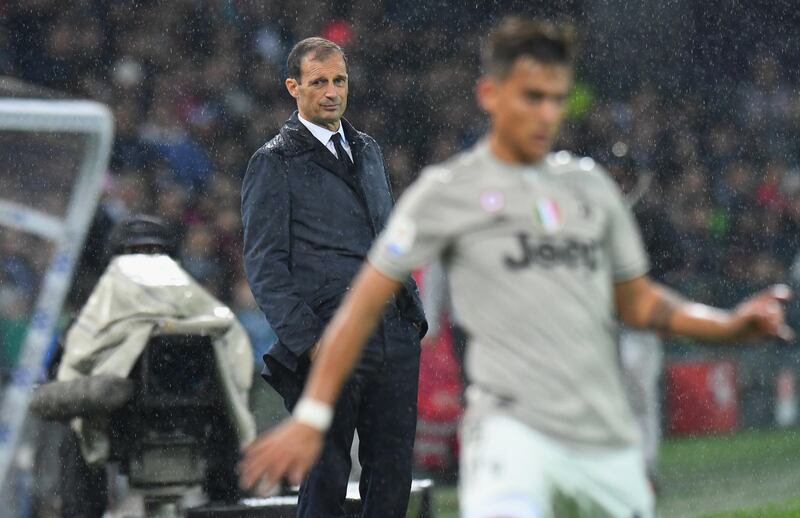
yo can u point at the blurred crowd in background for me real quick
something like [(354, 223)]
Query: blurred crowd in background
[(197, 86)]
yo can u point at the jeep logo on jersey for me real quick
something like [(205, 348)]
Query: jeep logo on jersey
[(550, 252)]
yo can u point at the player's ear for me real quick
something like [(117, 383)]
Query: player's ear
[(292, 85), (486, 92)]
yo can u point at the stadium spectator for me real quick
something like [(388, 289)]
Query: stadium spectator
[(16, 265), (14, 311), (197, 255)]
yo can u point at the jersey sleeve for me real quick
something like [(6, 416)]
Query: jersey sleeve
[(627, 253), (418, 230)]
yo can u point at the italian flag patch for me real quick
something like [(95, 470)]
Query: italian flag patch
[(548, 214)]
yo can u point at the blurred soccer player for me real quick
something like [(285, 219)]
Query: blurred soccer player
[(543, 255)]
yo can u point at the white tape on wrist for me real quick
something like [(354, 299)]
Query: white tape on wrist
[(316, 414)]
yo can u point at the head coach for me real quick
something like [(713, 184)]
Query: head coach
[(313, 200)]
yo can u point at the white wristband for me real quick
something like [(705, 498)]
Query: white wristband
[(316, 414)]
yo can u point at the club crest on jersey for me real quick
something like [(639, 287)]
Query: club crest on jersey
[(547, 213), (492, 201)]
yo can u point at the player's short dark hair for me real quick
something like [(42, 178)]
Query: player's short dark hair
[(516, 37), (318, 48)]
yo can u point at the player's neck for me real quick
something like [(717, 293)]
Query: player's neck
[(508, 154)]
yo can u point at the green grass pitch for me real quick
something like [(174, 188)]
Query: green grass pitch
[(747, 475)]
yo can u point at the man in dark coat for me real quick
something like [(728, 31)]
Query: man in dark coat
[(313, 200)]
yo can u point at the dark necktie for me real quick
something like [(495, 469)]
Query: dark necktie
[(344, 158)]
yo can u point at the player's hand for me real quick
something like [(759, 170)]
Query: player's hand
[(290, 450), (762, 315)]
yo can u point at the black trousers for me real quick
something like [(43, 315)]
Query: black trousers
[(380, 401)]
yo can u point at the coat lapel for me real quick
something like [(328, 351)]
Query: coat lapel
[(357, 143), (325, 159), (321, 156)]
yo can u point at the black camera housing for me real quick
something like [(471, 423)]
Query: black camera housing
[(175, 430)]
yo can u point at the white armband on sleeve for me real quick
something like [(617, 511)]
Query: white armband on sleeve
[(316, 414)]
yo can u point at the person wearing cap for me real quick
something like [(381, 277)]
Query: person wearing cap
[(313, 199), (143, 234)]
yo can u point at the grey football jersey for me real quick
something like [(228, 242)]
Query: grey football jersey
[(532, 253)]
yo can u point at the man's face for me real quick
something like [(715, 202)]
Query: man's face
[(321, 91), (526, 107)]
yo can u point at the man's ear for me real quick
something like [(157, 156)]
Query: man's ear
[(486, 92), (292, 85)]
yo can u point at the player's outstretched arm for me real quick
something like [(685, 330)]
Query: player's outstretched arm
[(291, 448), (644, 303)]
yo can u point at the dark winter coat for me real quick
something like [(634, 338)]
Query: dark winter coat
[(309, 223)]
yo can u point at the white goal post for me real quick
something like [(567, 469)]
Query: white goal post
[(65, 232)]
